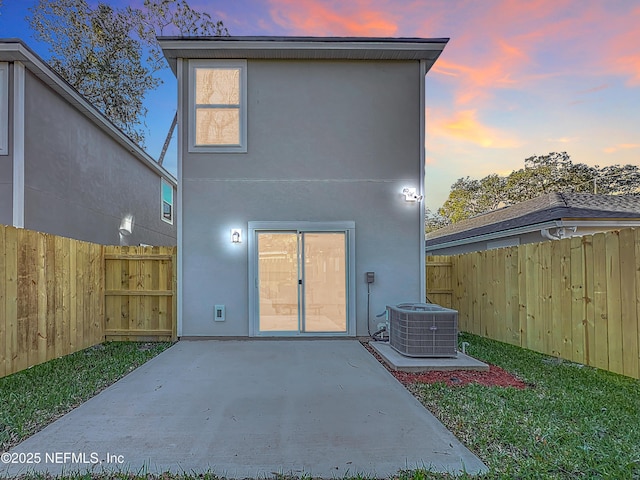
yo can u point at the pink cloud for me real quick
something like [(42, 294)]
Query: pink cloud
[(464, 125), (313, 17), (504, 44), (621, 146), (476, 80)]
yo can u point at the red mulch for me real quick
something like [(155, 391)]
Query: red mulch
[(495, 377)]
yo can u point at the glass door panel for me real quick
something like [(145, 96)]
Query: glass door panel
[(278, 282), (324, 282)]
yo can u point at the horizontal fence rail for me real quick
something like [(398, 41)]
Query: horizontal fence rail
[(140, 293), (59, 296), (576, 298)]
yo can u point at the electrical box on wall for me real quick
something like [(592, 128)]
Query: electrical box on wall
[(370, 277), (219, 313)]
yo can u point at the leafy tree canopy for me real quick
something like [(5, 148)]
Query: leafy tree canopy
[(554, 172), (110, 55)]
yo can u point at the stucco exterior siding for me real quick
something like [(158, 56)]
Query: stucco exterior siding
[(6, 162), (74, 170), (327, 141), (6, 190)]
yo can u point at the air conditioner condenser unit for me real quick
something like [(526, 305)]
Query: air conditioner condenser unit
[(423, 330)]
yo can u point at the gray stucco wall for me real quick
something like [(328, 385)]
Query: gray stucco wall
[(6, 166), (6, 189), (327, 141), (79, 182)]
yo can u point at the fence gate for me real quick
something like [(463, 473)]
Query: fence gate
[(140, 293)]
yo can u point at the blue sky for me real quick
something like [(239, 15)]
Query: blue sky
[(518, 77)]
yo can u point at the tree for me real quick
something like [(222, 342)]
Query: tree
[(554, 172), (171, 17), (472, 197), (548, 173), (616, 179), (111, 55), (433, 221)]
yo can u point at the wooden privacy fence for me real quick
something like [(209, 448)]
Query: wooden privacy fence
[(576, 298), (140, 300), (51, 297), (54, 293), (439, 289)]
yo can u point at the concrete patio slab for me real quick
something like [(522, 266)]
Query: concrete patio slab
[(399, 362), (324, 408)]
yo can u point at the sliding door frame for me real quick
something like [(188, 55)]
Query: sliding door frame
[(349, 229)]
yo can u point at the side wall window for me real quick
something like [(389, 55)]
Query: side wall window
[(217, 106), (167, 202), (4, 108)]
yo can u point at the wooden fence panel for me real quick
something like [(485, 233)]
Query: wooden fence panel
[(614, 328), (53, 292), (601, 323), (589, 306), (439, 277), (628, 317), (140, 290), (576, 298), (512, 326), (577, 303), (39, 297)]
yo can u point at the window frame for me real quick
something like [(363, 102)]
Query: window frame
[(163, 182), (4, 108), (222, 64)]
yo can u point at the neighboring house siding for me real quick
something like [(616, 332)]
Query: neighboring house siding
[(6, 190), (6, 161), (79, 182), (327, 141)]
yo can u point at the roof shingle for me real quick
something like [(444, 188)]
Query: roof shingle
[(548, 207)]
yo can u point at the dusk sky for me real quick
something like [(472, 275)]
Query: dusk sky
[(517, 79)]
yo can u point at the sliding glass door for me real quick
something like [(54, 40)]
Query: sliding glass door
[(301, 282)]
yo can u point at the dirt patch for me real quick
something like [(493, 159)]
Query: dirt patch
[(495, 377)]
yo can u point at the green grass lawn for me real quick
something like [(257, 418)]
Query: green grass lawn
[(571, 422), (33, 398)]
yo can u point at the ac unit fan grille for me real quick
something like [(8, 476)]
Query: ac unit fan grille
[(423, 330)]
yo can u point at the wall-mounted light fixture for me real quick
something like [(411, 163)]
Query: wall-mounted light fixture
[(236, 235), (411, 195), (126, 225)]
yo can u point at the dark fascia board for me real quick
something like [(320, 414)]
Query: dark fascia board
[(15, 50), (302, 48)]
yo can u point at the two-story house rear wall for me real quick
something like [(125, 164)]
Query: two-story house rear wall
[(327, 141)]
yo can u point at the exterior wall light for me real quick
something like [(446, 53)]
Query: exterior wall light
[(126, 225), (411, 195), (236, 235)]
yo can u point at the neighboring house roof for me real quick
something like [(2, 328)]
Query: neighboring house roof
[(539, 211), (12, 50), (306, 48)]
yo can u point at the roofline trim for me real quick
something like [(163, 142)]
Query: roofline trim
[(278, 43), (302, 44), (39, 67)]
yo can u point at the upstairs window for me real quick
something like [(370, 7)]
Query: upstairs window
[(167, 202), (217, 103), (4, 108)]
